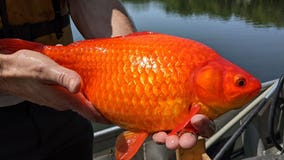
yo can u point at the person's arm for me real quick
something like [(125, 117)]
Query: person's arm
[(100, 18), (37, 78)]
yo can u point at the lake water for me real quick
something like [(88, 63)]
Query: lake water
[(250, 33)]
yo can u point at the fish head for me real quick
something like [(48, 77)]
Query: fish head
[(222, 86)]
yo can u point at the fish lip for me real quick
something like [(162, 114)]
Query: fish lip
[(257, 87), (253, 94)]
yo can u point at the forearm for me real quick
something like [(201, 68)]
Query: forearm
[(100, 18)]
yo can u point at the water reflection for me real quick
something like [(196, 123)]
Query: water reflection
[(264, 13)]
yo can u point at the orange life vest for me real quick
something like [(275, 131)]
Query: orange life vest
[(45, 21)]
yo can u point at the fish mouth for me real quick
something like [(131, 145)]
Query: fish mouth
[(255, 89), (242, 100), (252, 95)]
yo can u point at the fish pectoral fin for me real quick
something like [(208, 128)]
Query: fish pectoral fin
[(128, 143), (186, 125)]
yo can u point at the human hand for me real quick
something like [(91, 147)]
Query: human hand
[(37, 78), (201, 123)]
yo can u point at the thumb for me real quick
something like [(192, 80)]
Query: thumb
[(65, 77)]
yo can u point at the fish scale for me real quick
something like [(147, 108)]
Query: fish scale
[(136, 88), (148, 82)]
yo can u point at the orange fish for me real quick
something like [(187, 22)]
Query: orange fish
[(148, 82)]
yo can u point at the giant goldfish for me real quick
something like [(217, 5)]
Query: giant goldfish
[(148, 82)]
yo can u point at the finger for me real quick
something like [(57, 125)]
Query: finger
[(187, 140), (160, 137), (205, 126), (68, 78), (87, 110), (172, 142), (94, 115), (64, 77)]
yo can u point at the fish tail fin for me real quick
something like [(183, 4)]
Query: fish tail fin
[(128, 143), (11, 45)]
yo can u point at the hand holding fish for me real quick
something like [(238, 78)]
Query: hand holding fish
[(39, 79), (200, 122)]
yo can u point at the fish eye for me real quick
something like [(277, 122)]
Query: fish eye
[(240, 82)]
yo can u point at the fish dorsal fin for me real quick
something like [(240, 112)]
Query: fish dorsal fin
[(128, 143), (143, 33), (185, 125)]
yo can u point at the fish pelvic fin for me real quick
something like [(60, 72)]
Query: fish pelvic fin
[(11, 45), (185, 126), (128, 143)]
